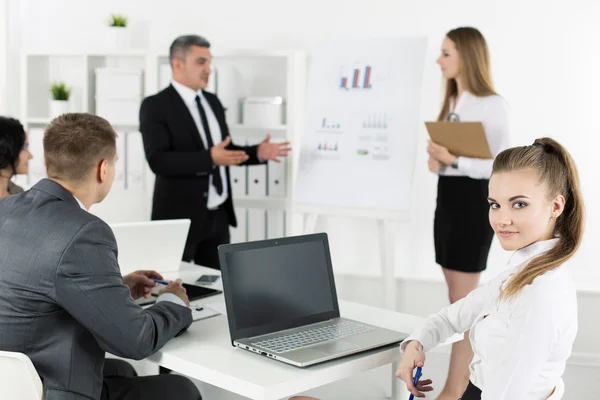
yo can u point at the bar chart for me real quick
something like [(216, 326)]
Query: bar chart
[(328, 145), (329, 125), (376, 121), (360, 78)]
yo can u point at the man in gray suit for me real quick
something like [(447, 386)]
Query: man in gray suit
[(63, 301)]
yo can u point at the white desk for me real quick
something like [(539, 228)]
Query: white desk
[(205, 353)]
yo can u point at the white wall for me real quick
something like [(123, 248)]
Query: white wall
[(544, 58), (3, 54)]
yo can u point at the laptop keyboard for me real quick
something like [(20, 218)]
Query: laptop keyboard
[(296, 341)]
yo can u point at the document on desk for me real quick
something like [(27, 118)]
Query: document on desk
[(202, 313), (218, 307), (199, 312)]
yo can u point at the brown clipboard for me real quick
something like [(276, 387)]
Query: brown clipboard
[(466, 139)]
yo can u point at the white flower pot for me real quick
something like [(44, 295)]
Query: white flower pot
[(119, 37), (58, 107)]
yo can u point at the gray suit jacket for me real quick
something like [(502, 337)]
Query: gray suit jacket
[(14, 189), (62, 297)]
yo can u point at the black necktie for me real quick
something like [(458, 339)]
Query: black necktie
[(217, 171)]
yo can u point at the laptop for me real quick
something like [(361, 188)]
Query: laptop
[(282, 304), (156, 245)]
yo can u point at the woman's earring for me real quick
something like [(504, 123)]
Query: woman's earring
[(553, 218)]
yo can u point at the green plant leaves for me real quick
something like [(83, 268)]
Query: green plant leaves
[(118, 20), (60, 91)]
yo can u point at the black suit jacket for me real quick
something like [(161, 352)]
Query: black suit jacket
[(179, 159)]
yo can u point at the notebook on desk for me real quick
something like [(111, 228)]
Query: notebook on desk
[(282, 303)]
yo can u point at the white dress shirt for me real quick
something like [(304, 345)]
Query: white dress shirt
[(163, 297), (493, 112), (189, 98), (521, 345)]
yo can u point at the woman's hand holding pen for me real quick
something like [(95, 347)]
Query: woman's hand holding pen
[(413, 357), (440, 153)]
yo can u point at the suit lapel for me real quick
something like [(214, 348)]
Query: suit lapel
[(185, 117)]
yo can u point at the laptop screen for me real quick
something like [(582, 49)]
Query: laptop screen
[(278, 284)]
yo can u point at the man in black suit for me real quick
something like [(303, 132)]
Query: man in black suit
[(188, 148)]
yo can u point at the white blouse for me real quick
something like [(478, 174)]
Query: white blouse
[(493, 112), (521, 345)]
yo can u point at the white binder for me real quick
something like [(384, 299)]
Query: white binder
[(135, 161), (257, 181), (238, 181), (276, 178), (239, 234), (119, 183), (275, 224), (256, 224)]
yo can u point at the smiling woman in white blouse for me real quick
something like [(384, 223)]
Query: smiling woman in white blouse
[(522, 323), (462, 234)]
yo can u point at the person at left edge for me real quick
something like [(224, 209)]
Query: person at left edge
[(14, 155), (189, 149)]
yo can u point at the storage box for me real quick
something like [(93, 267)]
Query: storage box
[(264, 112), (164, 76), (119, 83), (118, 111)]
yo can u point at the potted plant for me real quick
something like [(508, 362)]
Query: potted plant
[(59, 104), (119, 31)]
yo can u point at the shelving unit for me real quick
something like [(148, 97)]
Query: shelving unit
[(40, 68), (39, 121), (262, 73), (257, 202), (239, 73)]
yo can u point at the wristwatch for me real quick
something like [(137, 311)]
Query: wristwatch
[(455, 163)]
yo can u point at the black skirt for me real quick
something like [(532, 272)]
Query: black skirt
[(461, 229), (472, 393)]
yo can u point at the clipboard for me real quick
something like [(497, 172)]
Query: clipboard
[(466, 139)]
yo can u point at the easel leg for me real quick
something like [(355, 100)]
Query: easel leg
[(386, 248)]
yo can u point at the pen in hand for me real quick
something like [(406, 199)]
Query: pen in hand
[(160, 281), (416, 382)]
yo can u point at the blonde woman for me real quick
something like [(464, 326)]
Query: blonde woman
[(462, 234), (522, 323)]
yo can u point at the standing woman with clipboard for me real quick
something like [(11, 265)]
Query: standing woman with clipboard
[(462, 232)]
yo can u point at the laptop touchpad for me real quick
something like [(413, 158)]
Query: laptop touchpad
[(335, 347)]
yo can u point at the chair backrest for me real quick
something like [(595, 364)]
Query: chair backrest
[(559, 391), (18, 378)]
